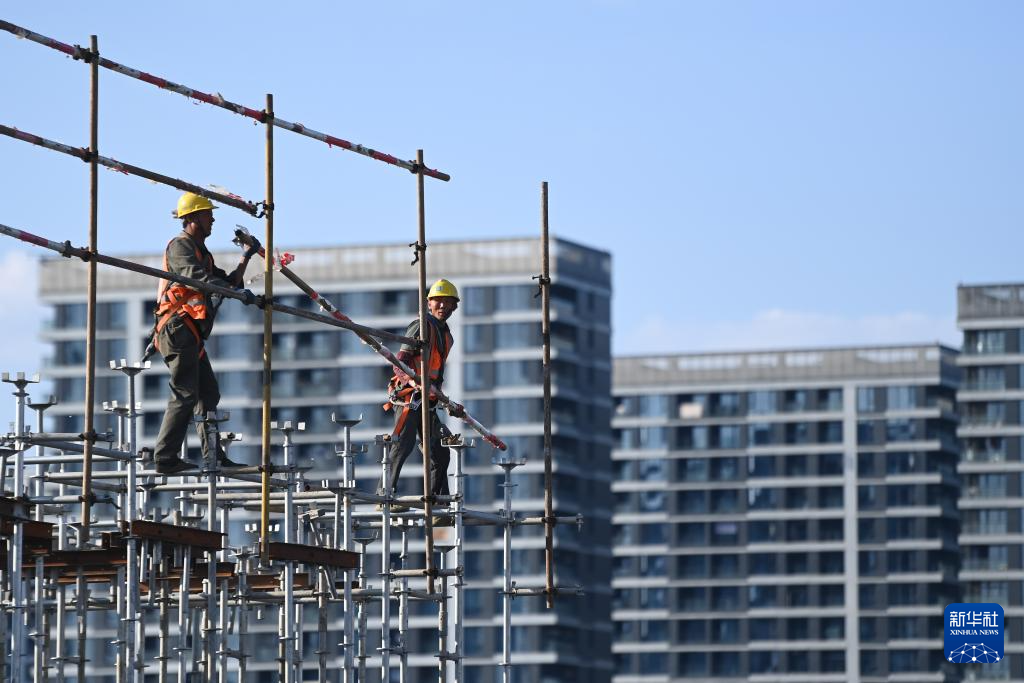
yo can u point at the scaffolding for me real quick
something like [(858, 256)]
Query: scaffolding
[(177, 574)]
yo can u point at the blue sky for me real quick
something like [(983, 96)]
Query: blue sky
[(765, 173)]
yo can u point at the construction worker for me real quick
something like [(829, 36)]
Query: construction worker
[(404, 395), (184, 320)]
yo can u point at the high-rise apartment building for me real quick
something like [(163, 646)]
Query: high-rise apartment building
[(495, 367), (991, 401), (785, 515)]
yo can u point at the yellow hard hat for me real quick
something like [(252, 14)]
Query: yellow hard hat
[(190, 202), (443, 288)]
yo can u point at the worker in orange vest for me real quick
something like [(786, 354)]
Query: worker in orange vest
[(184, 320), (404, 395)]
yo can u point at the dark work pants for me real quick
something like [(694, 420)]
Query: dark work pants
[(194, 389), (405, 440)]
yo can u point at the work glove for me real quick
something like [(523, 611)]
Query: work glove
[(456, 409), (254, 247), (250, 299)]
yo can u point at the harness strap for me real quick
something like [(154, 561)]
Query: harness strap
[(189, 323), (400, 423), (164, 291)]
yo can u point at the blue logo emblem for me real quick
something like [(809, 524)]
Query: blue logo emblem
[(974, 633)]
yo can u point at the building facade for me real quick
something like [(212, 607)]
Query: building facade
[(785, 515), (495, 367), (991, 403)]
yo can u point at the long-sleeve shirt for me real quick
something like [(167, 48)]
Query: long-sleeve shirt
[(183, 260)]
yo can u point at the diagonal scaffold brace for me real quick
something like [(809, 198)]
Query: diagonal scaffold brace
[(217, 100), (244, 239)]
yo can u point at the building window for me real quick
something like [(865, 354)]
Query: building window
[(725, 631), (724, 533), (763, 531), (762, 499), (725, 501), (760, 466), (831, 595), (692, 598), (866, 465), (762, 596), (725, 598), (902, 661), (984, 341), (725, 663), (901, 398), (692, 502), (694, 469), (833, 660), (725, 566), (652, 469), (725, 469), (763, 662), (866, 400), (760, 434), (830, 497), (866, 432), (763, 629), (693, 664), (796, 466), (830, 432), (762, 563), (761, 403), (692, 566), (692, 630)]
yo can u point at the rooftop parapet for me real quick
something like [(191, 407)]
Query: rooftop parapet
[(787, 366)]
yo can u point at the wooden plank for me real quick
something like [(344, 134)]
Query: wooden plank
[(33, 530), (181, 535), (311, 554), (272, 582)]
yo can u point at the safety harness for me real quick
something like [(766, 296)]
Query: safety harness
[(408, 398), (177, 299)]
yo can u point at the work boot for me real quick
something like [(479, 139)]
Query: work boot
[(226, 463), (173, 466)]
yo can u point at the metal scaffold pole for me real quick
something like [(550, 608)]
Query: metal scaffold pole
[(90, 339), (268, 273), (545, 297), (425, 346), (218, 101)]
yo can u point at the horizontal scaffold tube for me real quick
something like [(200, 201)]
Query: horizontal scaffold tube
[(78, 448), (65, 249), (218, 101), (251, 208)]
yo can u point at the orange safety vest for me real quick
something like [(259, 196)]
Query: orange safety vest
[(175, 298), (403, 395)]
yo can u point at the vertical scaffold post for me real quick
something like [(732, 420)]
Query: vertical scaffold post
[(344, 535), (133, 618), (90, 339), (288, 636), (506, 461), (41, 662), (268, 283), (459, 445), (426, 332), (545, 297), (385, 561), (17, 559)]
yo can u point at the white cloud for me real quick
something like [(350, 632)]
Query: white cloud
[(21, 350), (778, 328)]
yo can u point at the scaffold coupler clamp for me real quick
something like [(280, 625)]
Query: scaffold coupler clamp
[(541, 282), (420, 248)]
